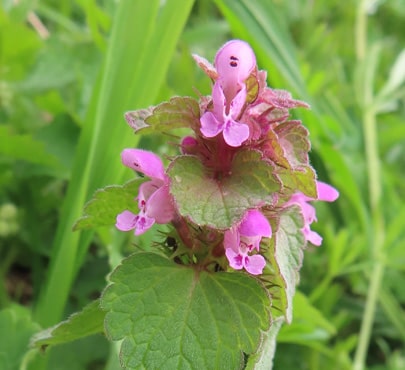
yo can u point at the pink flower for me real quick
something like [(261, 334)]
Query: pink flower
[(212, 123), (239, 242), (326, 193), (154, 201), (234, 62)]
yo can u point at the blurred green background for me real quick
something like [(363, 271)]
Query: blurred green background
[(69, 69)]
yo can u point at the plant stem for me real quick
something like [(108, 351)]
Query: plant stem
[(374, 183)]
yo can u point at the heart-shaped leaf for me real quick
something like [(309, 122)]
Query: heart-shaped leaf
[(222, 203), (176, 317), (176, 113)]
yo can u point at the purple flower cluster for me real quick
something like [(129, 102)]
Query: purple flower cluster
[(242, 114)]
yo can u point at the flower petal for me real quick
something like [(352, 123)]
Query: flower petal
[(235, 133), (143, 223), (234, 62), (255, 264), (232, 240), (250, 242), (126, 221), (210, 126), (235, 259), (159, 206), (312, 236), (309, 212), (255, 224), (326, 192), (218, 100), (146, 190), (143, 161), (237, 103)]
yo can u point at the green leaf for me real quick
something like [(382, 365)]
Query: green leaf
[(221, 203), (301, 179), (285, 255), (82, 324), (175, 317), (176, 113), (288, 148), (141, 44), (16, 329), (263, 359), (293, 138), (107, 203), (275, 151)]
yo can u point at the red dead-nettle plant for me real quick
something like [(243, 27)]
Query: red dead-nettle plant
[(237, 199)]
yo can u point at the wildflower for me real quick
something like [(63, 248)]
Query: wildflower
[(234, 62), (154, 201), (239, 242), (326, 193)]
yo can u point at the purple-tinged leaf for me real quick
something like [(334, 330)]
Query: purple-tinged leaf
[(220, 203), (274, 151), (293, 138), (206, 66), (301, 179), (281, 99), (252, 88), (136, 118), (284, 252), (176, 113)]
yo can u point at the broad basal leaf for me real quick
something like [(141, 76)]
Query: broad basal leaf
[(176, 317), (107, 203), (285, 256), (177, 112), (220, 203), (82, 324)]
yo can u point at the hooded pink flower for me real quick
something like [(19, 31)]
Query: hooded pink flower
[(326, 193), (154, 201), (239, 242), (234, 62)]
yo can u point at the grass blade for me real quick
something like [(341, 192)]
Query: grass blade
[(143, 39)]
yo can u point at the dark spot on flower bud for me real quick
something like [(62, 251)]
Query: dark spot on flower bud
[(234, 61)]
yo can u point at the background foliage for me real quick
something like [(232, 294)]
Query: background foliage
[(68, 71)]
